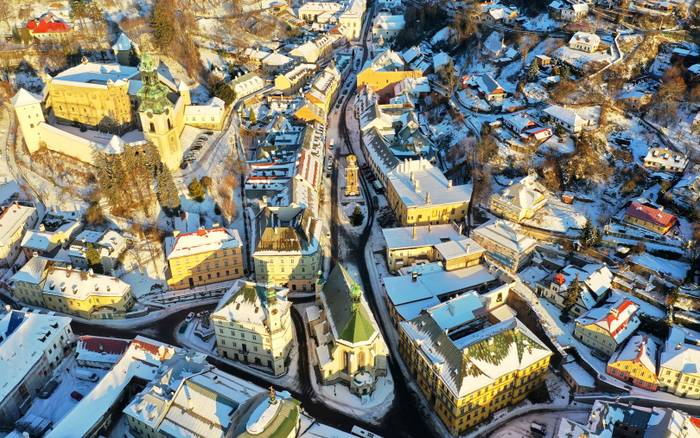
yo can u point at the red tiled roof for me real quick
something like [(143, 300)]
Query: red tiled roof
[(650, 214), (47, 24), (99, 344), (695, 421), (614, 316)]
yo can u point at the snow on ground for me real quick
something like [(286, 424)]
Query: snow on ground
[(60, 402), (520, 427), (542, 22)]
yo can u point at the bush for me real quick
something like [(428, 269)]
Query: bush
[(357, 216)]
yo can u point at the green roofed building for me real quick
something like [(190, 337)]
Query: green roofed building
[(252, 324), (349, 346)]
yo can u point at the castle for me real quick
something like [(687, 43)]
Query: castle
[(95, 107)]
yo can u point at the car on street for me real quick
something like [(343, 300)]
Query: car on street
[(75, 395)]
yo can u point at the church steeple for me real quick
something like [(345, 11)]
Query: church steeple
[(153, 95)]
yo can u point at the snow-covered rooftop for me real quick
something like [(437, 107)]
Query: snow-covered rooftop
[(506, 234), (201, 241), (24, 338), (96, 75), (418, 183), (406, 289), (419, 236), (13, 218), (81, 285)]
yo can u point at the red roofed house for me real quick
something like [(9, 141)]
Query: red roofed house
[(48, 27), (650, 218), (100, 352), (605, 328)]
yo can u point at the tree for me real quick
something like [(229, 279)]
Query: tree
[(5, 14), (93, 258), (572, 295), (466, 22), (590, 235), (448, 77), (94, 214), (533, 71), (166, 192), (196, 190), (357, 216), (163, 22)]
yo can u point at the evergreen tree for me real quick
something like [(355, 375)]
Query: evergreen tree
[(168, 196), (163, 22), (572, 295), (357, 216), (533, 71), (196, 190)]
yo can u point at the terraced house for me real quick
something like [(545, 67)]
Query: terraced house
[(253, 325), (470, 362)]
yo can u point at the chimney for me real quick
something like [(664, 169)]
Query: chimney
[(449, 183), (417, 186), (427, 198), (413, 232), (414, 276)]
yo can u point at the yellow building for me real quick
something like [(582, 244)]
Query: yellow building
[(678, 365), (15, 220), (468, 364), (252, 324), (291, 81), (419, 194), (636, 363), (27, 283), (204, 257), (387, 69), (406, 246), (86, 294), (94, 95), (605, 328), (288, 251), (348, 345)]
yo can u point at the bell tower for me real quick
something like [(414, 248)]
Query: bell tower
[(159, 119)]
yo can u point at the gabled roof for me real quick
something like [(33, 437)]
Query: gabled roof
[(639, 349), (650, 214), (24, 98), (348, 313), (47, 24), (618, 320)]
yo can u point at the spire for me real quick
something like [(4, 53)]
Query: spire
[(413, 232), (153, 95), (271, 295)]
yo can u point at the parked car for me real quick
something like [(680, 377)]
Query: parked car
[(76, 395), (86, 375), (49, 388)]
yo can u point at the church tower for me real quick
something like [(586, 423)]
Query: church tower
[(159, 119), (29, 115)]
